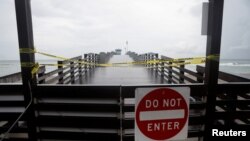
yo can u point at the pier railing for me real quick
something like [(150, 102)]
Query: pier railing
[(68, 71), (65, 72), (11, 78), (180, 74), (223, 76)]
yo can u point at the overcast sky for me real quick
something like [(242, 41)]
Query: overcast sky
[(170, 27)]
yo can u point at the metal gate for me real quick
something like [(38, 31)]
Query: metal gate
[(98, 113)]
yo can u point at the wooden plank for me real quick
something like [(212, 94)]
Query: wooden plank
[(232, 78), (54, 79), (6, 116), (11, 89), (83, 134), (196, 120), (103, 92), (233, 114), (184, 77), (241, 104), (195, 133), (14, 130), (174, 78), (49, 74), (78, 107), (191, 134), (170, 80), (191, 73), (79, 122), (196, 89), (11, 78), (12, 104), (68, 78), (197, 105), (16, 139)]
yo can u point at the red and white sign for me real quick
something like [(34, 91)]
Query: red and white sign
[(161, 113)]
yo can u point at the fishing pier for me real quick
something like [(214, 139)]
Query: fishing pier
[(83, 100)]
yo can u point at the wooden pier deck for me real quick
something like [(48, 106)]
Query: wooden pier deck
[(123, 74)]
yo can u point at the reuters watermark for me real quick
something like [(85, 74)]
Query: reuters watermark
[(228, 133)]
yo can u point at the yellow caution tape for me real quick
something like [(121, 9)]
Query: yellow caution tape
[(53, 56), (27, 50), (35, 69), (174, 62), (104, 65), (193, 60), (27, 64), (214, 57), (34, 66)]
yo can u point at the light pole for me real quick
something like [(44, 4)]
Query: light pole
[(127, 46)]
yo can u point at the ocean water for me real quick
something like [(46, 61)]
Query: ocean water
[(240, 67), (9, 67), (233, 66), (13, 66)]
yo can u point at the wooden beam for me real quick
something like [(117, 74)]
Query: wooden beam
[(25, 38), (215, 17)]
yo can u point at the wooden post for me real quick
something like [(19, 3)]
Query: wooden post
[(25, 38), (60, 73), (156, 64), (80, 67), (200, 73), (151, 58), (170, 72), (41, 73), (91, 60), (96, 59), (231, 107), (72, 72), (162, 71), (215, 16), (86, 61), (146, 59), (181, 79)]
